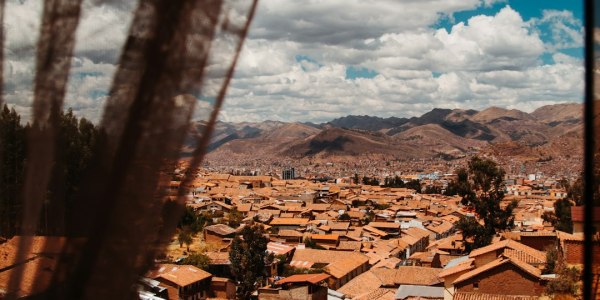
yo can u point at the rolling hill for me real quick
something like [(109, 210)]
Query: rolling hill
[(451, 133)]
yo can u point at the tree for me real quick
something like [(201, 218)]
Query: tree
[(394, 182), (193, 221), (552, 257), (370, 181), (461, 183), (344, 217), (12, 169), (235, 217), (567, 282), (199, 260), (248, 258), (184, 237), (432, 189), (561, 217), (482, 190), (76, 143), (309, 243), (414, 184)]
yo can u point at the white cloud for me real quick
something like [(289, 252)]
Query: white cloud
[(294, 63)]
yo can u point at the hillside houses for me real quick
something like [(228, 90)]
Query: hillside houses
[(374, 242)]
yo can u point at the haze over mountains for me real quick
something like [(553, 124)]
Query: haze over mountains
[(552, 130)]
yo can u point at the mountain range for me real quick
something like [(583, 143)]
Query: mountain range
[(548, 131)]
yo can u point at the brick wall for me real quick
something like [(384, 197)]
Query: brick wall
[(539, 242), (506, 279), (573, 252), (212, 238)]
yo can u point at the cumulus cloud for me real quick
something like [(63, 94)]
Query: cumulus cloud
[(488, 60), (296, 60)]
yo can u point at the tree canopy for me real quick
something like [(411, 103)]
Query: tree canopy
[(481, 187), (248, 256)]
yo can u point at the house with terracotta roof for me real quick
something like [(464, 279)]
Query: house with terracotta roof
[(390, 279), (288, 223), (503, 276), (222, 288), (288, 236), (341, 265), (571, 247), (182, 281), (511, 249), (219, 264), (440, 229), (577, 216), (213, 206), (391, 228), (326, 240), (505, 267), (219, 234), (36, 267), (416, 238), (299, 286), (539, 240)]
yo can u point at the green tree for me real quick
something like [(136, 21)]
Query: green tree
[(355, 179), (199, 260), (345, 217), (12, 169), (460, 184), (567, 283), (393, 182), (414, 184), (309, 243), (184, 237), (483, 190), (561, 217), (370, 181), (248, 258), (432, 189), (552, 257), (235, 217), (76, 142)]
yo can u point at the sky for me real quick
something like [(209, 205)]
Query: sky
[(316, 60)]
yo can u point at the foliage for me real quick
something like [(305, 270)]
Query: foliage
[(381, 206), (461, 183), (355, 179), (75, 144), (12, 169), (196, 259), (309, 243), (575, 191), (370, 181), (414, 184), (248, 257), (193, 221), (235, 218), (561, 217), (369, 217), (393, 182), (432, 189), (289, 271), (345, 217), (483, 190), (566, 283), (552, 257), (185, 237)]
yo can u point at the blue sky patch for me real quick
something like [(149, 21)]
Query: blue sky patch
[(528, 9), (359, 72)]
